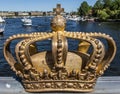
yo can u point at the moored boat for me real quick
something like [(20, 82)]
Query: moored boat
[(2, 28), (26, 21), (2, 20), (73, 18)]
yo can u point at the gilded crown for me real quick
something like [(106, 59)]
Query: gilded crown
[(60, 69)]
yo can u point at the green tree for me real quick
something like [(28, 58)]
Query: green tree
[(115, 5), (107, 3), (115, 9), (83, 10), (73, 13), (118, 14), (97, 7), (103, 15), (105, 9), (90, 13), (112, 14)]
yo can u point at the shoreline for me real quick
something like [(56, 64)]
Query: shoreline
[(108, 20), (87, 19)]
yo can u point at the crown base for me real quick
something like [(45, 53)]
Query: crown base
[(59, 90), (59, 86)]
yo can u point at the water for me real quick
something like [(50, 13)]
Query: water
[(42, 24)]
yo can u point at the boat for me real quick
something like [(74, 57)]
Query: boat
[(2, 27), (90, 19), (26, 21), (83, 19), (73, 18), (1, 30), (2, 20)]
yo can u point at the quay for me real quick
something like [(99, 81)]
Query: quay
[(25, 13), (104, 85)]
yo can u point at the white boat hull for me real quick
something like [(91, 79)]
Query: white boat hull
[(1, 30), (26, 22), (2, 20), (73, 18)]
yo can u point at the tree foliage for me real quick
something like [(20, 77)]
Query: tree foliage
[(107, 3), (83, 10), (103, 9), (98, 5), (102, 14)]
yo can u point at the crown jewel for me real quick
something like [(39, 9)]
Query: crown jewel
[(60, 69)]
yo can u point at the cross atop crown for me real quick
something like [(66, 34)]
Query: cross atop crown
[(58, 9)]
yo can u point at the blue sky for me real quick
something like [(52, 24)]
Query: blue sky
[(40, 5)]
